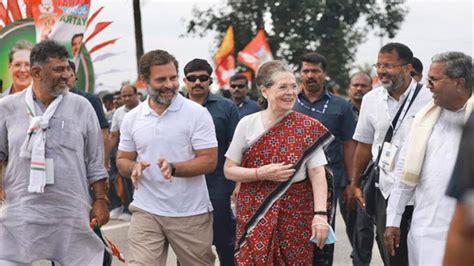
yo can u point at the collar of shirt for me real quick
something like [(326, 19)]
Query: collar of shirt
[(326, 95), (243, 102), (210, 98), (176, 104)]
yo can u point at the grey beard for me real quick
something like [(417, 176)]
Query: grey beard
[(155, 96)]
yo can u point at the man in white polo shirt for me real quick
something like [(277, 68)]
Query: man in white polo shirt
[(166, 146)]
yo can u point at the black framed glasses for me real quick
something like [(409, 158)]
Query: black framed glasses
[(193, 78), (238, 86)]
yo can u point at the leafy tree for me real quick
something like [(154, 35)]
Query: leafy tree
[(333, 28)]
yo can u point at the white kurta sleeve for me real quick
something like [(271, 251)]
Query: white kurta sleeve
[(399, 198)]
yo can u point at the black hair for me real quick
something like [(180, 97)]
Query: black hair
[(45, 50), (404, 53), (109, 97), (314, 58), (197, 65), (417, 65), (238, 76), (155, 57)]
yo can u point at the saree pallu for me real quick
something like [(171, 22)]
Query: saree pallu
[(274, 219)]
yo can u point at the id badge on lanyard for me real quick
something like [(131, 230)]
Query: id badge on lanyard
[(387, 157)]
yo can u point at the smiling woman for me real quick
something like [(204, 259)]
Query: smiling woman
[(19, 66), (278, 156)]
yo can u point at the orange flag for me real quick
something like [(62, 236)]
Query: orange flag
[(14, 9), (29, 9), (224, 59), (102, 45), (256, 52), (89, 21), (98, 28), (4, 14)]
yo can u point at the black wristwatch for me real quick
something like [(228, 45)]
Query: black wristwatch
[(173, 168)]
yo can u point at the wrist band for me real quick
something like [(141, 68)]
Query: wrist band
[(256, 174), (320, 213)]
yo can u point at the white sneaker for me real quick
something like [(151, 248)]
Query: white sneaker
[(125, 217), (115, 213)]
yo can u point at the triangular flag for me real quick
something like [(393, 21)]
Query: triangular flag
[(14, 9), (256, 52), (29, 9), (4, 15), (89, 21), (102, 45), (224, 58), (98, 28)]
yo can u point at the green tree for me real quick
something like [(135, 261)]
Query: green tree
[(333, 28)]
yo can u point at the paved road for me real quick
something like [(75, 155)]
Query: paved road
[(117, 232)]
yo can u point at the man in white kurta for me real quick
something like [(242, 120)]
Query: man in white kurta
[(51, 222), (430, 157)]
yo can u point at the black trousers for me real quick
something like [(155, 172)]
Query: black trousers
[(401, 253), (224, 230)]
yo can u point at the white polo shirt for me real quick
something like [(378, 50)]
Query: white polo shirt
[(174, 135), (376, 113), (117, 118)]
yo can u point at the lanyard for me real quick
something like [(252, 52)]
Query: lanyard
[(326, 104), (404, 111)]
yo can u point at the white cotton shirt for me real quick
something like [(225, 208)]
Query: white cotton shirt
[(174, 135), (377, 112), (249, 130), (433, 209), (117, 118)]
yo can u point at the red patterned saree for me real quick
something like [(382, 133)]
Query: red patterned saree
[(274, 219)]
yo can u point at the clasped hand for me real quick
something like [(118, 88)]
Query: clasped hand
[(277, 172)]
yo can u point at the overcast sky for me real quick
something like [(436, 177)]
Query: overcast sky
[(430, 27)]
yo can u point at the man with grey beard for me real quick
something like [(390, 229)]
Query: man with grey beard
[(51, 141), (167, 145), (399, 91)]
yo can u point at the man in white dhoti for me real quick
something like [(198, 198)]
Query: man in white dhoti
[(51, 141), (430, 156)]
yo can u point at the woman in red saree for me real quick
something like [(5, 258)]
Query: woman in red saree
[(277, 156)]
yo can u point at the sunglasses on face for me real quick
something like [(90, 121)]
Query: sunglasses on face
[(239, 86), (193, 78)]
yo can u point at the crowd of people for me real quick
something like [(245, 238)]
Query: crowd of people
[(394, 158)]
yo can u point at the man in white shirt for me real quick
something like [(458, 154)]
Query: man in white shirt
[(429, 161), (378, 109), (119, 210), (166, 146)]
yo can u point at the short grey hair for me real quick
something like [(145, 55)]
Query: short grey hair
[(458, 65), (265, 72)]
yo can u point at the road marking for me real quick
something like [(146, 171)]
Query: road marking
[(115, 226)]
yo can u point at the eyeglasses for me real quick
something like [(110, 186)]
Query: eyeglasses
[(285, 88), (239, 86), (434, 81), (193, 78), (387, 66)]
